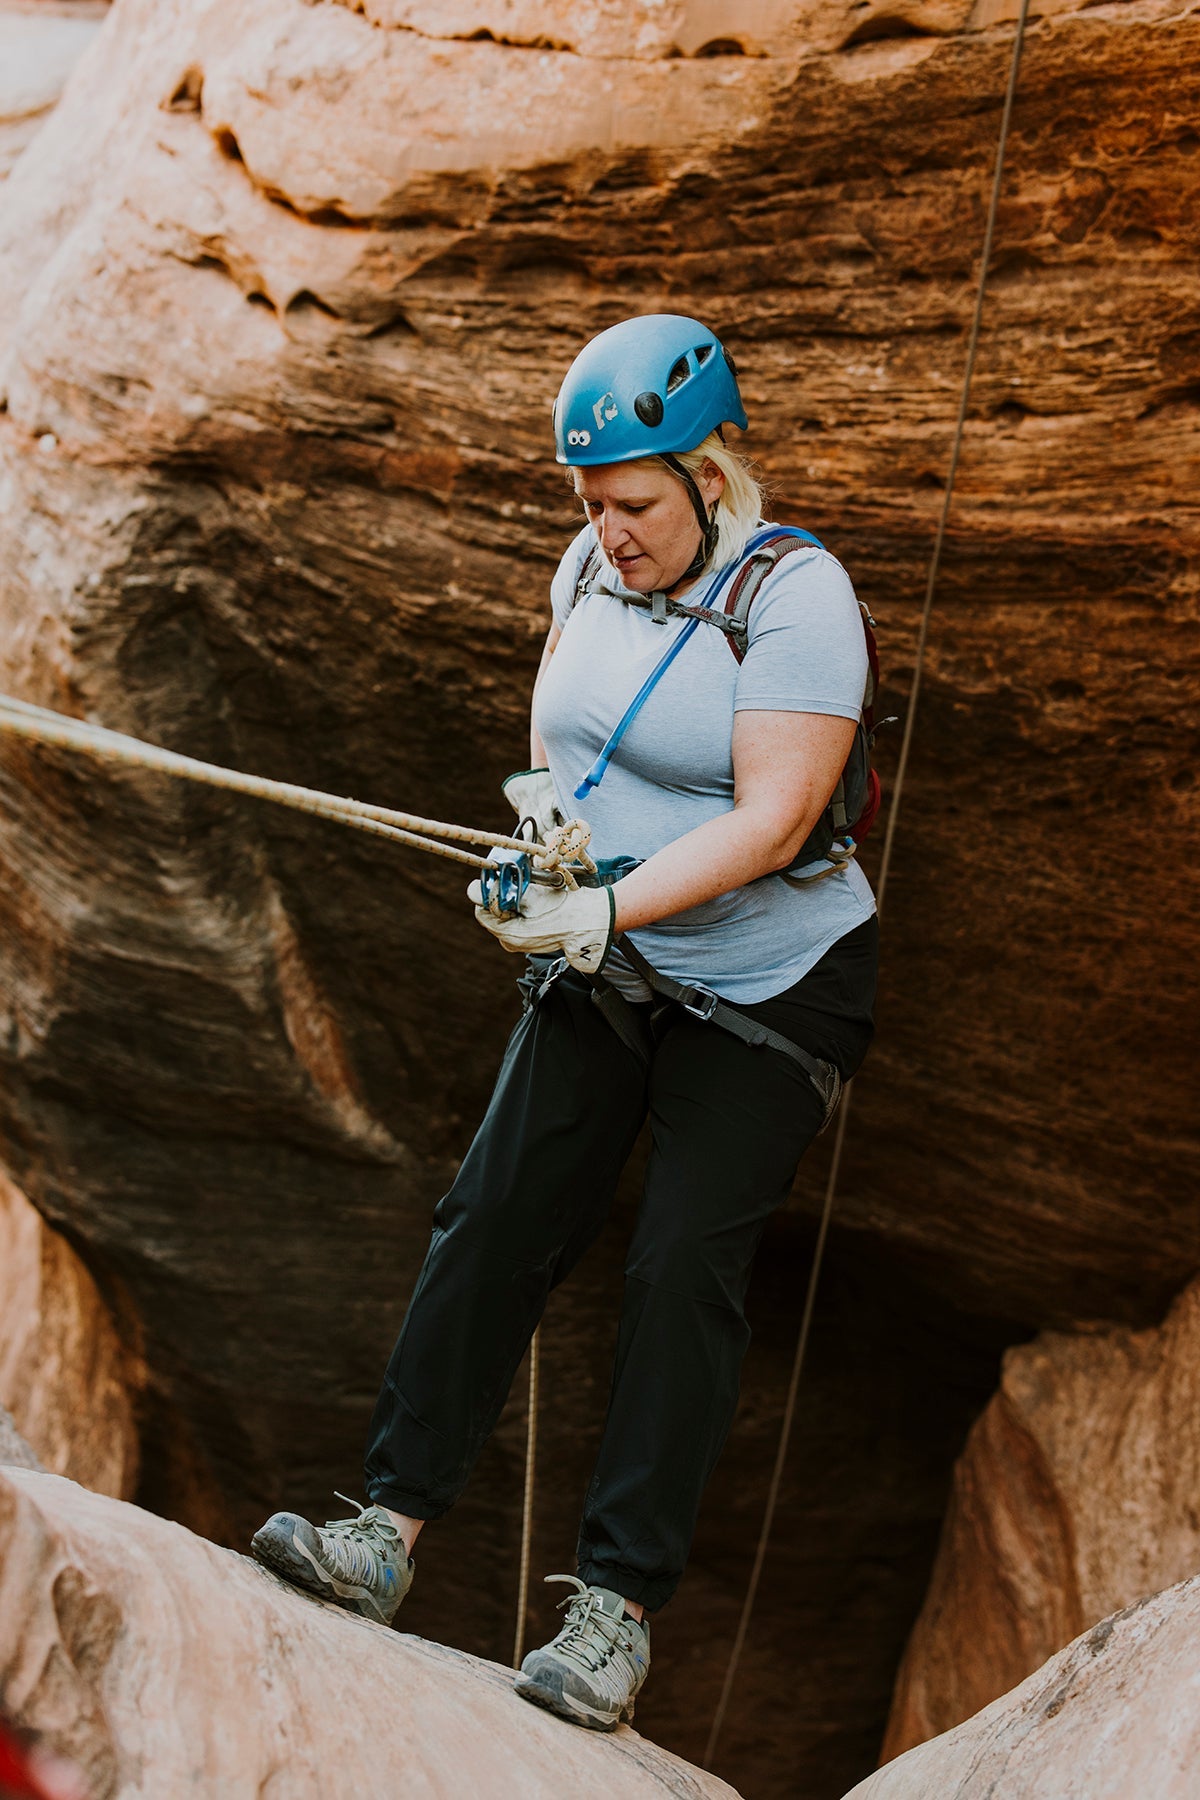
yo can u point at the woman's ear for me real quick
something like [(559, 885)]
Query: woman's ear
[(711, 482)]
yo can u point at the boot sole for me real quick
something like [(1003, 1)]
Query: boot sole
[(287, 1561), (576, 1712)]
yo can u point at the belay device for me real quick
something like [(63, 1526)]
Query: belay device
[(504, 883)]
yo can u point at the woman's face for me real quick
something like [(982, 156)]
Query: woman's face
[(644, 520)]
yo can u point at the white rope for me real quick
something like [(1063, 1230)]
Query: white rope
[(789, 1410), (37, 724), (535, 1357)]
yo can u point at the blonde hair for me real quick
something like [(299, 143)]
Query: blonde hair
[(741, 505)]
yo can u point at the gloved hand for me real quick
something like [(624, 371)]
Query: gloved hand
[(576, 921), (531, 795)]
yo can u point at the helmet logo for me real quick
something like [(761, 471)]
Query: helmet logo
[(604, 410), (582, 438)]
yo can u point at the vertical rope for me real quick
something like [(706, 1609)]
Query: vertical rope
[(935, 561), (785, 1432), (885, 864), (535, 1356)]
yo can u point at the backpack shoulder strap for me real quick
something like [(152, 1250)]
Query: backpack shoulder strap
[(750, 577), (589, 568)]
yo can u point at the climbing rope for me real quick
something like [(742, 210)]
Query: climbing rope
[(535, 1357), (37, 724), (885, 863)]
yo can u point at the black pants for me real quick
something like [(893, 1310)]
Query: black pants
[(729, 1124)]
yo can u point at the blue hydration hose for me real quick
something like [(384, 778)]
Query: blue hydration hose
[(595, 774)]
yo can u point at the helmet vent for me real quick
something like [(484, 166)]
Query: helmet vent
[(703, 352), (649, 408), (680, 371)]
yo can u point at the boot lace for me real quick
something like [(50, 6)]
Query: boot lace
[(589, 1635), (358, 1545)]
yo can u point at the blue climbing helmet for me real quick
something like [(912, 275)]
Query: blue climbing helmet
[(652, 386)]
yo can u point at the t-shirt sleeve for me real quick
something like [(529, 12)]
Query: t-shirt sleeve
[(562, 588), (807, 651)]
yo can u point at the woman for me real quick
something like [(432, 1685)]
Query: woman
[(710, 796)]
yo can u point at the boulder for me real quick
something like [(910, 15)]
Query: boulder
[(65, 1377), (1115, 1714), (161, 1664), (1075, 1496)]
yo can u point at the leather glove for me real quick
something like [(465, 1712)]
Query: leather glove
[(578, 922), (531, 795)]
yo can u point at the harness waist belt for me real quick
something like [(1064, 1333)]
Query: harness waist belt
[(710, 1009)]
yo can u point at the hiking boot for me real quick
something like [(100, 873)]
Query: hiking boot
[(593, 1670), (360, 1564)]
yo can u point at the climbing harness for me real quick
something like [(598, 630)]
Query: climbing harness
[(702, 1004), (789, 1410), (556, 863)]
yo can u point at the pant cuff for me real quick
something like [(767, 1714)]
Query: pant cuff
[(413, 1506), (650, 1591)]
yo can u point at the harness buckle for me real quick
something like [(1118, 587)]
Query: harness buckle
[(701, 1002)]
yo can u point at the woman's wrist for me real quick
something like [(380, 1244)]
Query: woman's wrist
[(636, 902)]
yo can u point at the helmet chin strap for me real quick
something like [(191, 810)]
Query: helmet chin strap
[(706, 520)]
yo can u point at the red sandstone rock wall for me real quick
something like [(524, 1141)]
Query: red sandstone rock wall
[(1075, 1497), (64, 1375), (283, 304)]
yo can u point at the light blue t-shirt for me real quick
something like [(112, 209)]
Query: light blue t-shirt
[(674, 767)]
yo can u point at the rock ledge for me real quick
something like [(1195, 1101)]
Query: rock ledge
[(164, 1665)]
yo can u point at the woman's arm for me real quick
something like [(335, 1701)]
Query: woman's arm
[(786, 766), (537, 750)]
